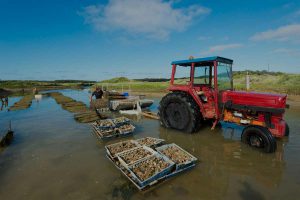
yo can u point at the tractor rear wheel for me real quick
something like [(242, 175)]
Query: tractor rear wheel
[(259, 137), (179, 111)]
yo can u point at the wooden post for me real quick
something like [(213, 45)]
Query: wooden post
[(247, 82)]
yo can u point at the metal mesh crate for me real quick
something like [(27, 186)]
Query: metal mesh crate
[(157, 175), (119, 147), (105, 124), (125, 129), (133, 154), (104, 133), (182, 161), (150, 141), (120, 121)]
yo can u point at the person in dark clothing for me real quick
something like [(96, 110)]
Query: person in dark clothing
[(4, 102), (98, 93)]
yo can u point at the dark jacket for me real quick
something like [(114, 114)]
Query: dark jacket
[(98, 94)]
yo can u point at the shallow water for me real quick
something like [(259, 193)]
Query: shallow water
[(54, 157)]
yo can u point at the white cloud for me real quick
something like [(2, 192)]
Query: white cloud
[(155, 18), (222, 47), (291, 52), (283, 33)]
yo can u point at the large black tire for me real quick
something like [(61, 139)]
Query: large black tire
[(259, 137), (179, 111)]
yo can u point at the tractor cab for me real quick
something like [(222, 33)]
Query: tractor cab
[(201, 73), (197, 76)]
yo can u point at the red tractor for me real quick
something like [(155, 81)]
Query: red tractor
[(206, 93)]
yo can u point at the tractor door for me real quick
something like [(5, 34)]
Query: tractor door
[(224, 82), (202, 78), (224, 77), (203, 86)]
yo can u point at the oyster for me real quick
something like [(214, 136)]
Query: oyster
[(120, 147), (149, 167), (126, 128), (134, 155), (105, 123), (107, 132), (120, 120), (176, 154), (148, 141)]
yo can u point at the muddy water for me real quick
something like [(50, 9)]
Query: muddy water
[(53, 157)]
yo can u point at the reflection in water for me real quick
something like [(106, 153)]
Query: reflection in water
[(249, 193), (121, 189), (53, 157), (222, 158)]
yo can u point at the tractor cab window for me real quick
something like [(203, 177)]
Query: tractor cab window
[(182, 75), (224, 76), (201, 75)]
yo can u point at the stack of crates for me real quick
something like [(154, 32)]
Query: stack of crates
[(132, 154), (110, 128), (123, 125), (104, 128)]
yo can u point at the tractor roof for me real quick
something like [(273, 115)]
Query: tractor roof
[(202, 61)]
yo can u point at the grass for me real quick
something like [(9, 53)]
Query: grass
[(116, 80), (26, 84), (268, 82), (136, 86), (262, 81)]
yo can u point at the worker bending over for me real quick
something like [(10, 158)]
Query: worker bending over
[(98, 93)]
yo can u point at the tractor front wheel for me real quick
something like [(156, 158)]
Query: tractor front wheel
[(259, 137), (179, 111)]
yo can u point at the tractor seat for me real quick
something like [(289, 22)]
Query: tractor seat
[(200, 93), (202, 96)]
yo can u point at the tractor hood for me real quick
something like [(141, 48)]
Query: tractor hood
[(263, 100)]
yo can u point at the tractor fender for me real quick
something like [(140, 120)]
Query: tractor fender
[(190, 92)]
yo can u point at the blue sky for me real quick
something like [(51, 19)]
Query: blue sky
[(95, 40)]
